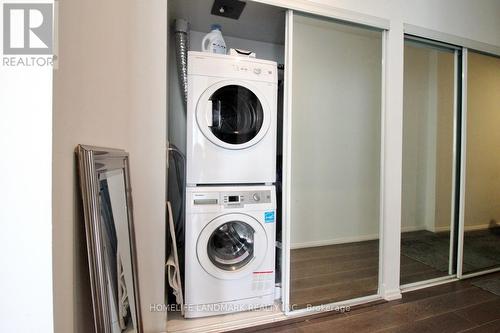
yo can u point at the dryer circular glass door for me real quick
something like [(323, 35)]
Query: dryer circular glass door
[(232, 246), (233, 114)]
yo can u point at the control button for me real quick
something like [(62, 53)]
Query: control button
[(256, 197), (257, 71)]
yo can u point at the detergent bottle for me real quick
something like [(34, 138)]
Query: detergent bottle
[(213, 41)]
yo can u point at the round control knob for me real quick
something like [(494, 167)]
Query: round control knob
[(256, 197)]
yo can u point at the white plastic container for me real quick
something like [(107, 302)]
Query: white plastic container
[(213, 41)]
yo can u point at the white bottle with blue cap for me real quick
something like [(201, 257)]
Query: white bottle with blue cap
[(213, 41)]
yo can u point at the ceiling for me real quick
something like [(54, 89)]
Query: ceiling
[(258, 21)]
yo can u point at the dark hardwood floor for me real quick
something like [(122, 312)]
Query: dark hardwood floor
[(326, 274), (452, 307)]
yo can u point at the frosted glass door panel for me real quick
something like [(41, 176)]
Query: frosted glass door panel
[(481, 248), (335, 161)]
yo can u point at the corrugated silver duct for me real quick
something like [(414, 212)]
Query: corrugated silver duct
[(181, 50)]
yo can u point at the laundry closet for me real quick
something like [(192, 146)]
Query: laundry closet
[(225, 161), (274, 211)]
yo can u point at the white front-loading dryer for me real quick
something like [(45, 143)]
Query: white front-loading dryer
[(230, 249), (231, 120)]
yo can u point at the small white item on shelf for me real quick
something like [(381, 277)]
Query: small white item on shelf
[(241, 53)]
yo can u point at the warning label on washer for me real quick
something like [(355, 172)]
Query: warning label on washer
[(269, 217)]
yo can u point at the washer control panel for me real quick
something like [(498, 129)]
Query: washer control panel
[(239, 199), (233, 199)]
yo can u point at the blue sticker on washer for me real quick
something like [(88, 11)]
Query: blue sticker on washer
[(269, 217)]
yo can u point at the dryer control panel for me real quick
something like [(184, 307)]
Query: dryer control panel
[(232, 67)]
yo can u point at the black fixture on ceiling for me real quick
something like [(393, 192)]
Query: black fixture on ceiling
[(228, 8)]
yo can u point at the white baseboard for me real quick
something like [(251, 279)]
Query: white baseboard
[(438, 229), (467, 228), (476, 227), (340, 240), (343, 240), (412, 228)]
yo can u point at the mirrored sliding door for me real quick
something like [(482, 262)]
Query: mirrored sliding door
[(335, 147), (429, 164), (481, 239)]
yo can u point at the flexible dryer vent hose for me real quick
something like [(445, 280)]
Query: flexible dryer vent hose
[(181, 50)]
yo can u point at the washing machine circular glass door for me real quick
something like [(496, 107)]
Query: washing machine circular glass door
[(232, 246), (233, 114)]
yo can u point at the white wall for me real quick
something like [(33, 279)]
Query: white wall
[(148, 143), (25, 198), (109, 90)]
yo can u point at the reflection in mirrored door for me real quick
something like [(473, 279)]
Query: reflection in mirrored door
[(335, 147), (427, 221), (481, 246)]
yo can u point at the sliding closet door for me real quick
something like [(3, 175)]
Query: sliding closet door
[(335, 142), (427, 221), (481, 247)]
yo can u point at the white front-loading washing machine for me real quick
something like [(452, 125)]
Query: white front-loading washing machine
[(231, 120), (230, 249)]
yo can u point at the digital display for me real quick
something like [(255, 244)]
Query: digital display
[(233, 198)]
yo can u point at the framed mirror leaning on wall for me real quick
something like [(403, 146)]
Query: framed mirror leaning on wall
[(107, 205)]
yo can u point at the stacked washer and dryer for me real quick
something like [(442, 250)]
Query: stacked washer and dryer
[(230, 172)]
